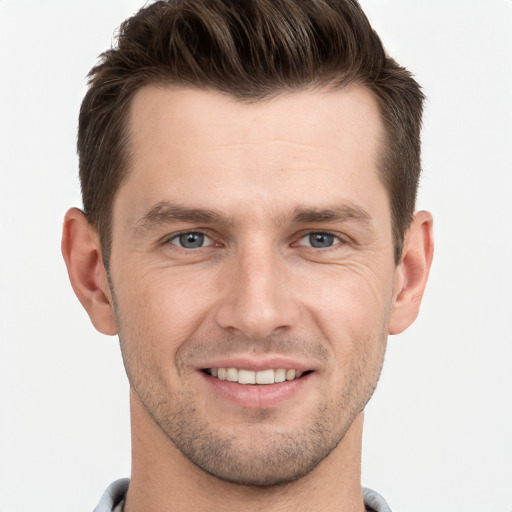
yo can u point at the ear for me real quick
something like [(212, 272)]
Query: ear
[(82, 253), (412, 273)]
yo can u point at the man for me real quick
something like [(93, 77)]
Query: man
[(249, 172)]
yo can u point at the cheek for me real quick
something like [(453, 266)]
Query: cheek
[(164, 303), (352, 310), (154, 319), (351, 298)]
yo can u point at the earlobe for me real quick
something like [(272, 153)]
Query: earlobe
[(412, 272), (82, 253)]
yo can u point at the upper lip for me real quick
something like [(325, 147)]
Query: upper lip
[(246, 362)]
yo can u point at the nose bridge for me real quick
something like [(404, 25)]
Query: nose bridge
[(257, 301)]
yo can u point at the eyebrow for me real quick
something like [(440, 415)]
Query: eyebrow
[(167, 213), (342, 213)]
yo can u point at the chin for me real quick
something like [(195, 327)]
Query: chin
[(262, 455), (276, 465)]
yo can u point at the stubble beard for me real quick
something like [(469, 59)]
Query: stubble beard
[(264, 457), (265, 454)]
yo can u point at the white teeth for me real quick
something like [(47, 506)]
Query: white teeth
[(280, 375), (265, 377), (232, 374), (246, 377), (269, 376)]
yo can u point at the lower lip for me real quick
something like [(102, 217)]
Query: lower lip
[(257, 396)]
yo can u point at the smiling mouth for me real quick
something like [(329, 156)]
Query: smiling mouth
[(269, 376)]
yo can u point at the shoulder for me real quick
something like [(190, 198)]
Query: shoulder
[(374, 502), (113, 495)]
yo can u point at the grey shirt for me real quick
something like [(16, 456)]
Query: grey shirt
[(113, 498)]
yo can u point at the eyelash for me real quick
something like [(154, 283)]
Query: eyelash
[(177, 236), (338, 240)]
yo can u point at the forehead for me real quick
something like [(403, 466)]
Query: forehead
[(177, 116), (205, 148)]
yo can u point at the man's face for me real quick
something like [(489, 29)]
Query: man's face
[(249, 241)]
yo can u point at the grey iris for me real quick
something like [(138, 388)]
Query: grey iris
[(191, 240), (321, 240)]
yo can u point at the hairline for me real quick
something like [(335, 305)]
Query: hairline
[(105, 228)]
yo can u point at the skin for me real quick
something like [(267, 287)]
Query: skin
[(258, 182)]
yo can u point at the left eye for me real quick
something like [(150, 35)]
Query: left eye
[(191, 240), (319, 240)]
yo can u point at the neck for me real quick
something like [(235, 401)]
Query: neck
[(163, 479)]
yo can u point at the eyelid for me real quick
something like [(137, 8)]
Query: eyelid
[(209, 240), (341, 239)]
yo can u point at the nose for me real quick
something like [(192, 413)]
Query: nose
[(258, 298)]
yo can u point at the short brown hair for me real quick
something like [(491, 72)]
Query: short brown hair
[(250, 50)]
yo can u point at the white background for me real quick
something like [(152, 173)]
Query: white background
[(439, 429)]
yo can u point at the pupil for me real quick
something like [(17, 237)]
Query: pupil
[(191, 240), (321, 240)]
